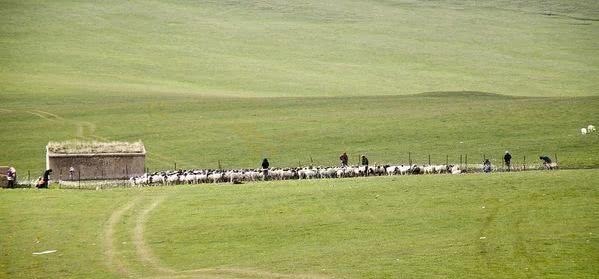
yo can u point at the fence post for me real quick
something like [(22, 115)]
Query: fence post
[(461, 161), (429, 159), (556, 161), (219, 165), (446, 160), (28, 175), (524, 162), (175, 165), (466, 162), (410, 158)]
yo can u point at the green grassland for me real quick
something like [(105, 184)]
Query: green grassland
[(504, 225), (198, 132), (299, 82), (299, 48), (183, 77)]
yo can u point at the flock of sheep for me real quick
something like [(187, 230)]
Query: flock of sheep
[(589, 129), (239, 176)]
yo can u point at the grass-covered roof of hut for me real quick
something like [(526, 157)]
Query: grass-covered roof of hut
[(95, 147)]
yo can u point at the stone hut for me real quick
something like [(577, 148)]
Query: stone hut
[(95, 160)]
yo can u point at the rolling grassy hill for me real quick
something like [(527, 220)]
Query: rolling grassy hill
[(198, 132), (298, 48), (300, 82), (178, 74), (505, 225)]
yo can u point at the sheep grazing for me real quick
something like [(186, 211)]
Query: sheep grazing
[(591, 129), (583, 131), (176, 177), (455, 170)]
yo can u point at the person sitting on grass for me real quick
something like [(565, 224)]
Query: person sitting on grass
[(487, 166)]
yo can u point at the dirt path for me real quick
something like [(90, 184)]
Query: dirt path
[(147, 257), (143, 251), (110, 251)]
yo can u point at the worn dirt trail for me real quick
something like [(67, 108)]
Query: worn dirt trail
[(110, 251), (150, 261)]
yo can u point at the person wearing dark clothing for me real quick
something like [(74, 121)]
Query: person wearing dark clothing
[(43, 183), (265, 166), (507, 158), (343, 159), (546, 162), (365, 163), (11, 176), (487, 166), (546, 159)]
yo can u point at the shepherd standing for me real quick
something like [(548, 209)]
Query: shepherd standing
[(343, 159), (507, 158)]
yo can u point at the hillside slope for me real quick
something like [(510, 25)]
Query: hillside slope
[(298, 48)]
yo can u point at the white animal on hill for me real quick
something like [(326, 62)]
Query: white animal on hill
[(591, 129), (583, 131)]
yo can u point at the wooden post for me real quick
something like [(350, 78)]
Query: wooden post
[(28, 175), (410, 158), (175, 165), (429, 159), (466, 159), (219, 166), (524, 162), (460, 160), (446, 160), (556, 161)]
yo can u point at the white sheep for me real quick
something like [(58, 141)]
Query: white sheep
[(583, 131), (455, 170), (429, 169), (591, 129)]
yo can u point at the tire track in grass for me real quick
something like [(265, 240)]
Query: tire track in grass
[(146, 256), (483, 244), (40, 115), (86, 130), (110, 251), (531, 270), (143, 251)]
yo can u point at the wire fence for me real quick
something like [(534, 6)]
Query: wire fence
[(467, 163)]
